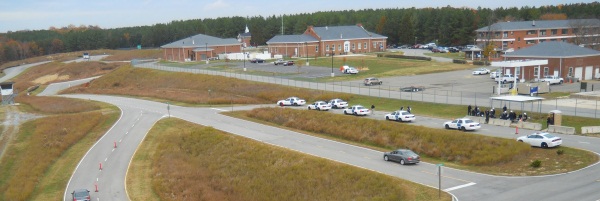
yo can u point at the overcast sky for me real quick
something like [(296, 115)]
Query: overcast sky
[(41, 14)]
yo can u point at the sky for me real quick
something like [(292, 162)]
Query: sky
[(18, 15)]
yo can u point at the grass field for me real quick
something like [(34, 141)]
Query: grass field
[(186, 161), (455, 55), (478, 153), (40, 160)]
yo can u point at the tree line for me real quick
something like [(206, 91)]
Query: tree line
[(447, 26)]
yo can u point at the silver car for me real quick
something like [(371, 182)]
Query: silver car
[(404, 156), (81, 195)]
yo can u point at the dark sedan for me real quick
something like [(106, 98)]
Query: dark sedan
[(404, 156), (257, 61)]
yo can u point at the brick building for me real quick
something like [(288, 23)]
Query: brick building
[(564, 60), (199, 47), (324, 41), (245, 37), (510, 36)]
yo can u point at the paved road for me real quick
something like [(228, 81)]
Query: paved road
[(465, 185), (9, 73)]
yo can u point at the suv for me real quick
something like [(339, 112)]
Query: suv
[(507, 78), (372, 81)]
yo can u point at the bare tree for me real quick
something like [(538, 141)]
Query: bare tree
[(587, 32)]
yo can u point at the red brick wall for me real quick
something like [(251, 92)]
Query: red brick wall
[(180, 54), (555, 64)]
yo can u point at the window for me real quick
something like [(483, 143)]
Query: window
[(570, 74), (326, 47), (340, 47), (519, 39), (353, 46), (374, 44), (565, 31), (530, 32), (554, 31), (536, 72), (530, 42), (546, 69), (543, 32), (517, 72), (317, 48), (505, 35), (359, 46), (365, 45), (497, 34), (542, 40), (564, 40), (552, 39)]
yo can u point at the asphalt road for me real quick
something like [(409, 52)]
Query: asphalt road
[(14, 71)]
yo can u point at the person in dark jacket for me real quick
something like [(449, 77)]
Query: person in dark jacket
[(504, 108), (469, 110)]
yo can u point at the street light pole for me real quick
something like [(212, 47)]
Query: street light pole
[(306, 51), (332, 62), (244, 55), (206, 52)]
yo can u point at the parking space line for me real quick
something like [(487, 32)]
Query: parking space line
[(459, 186)]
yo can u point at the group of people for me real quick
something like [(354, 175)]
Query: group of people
[(407, 109), (512, 116)]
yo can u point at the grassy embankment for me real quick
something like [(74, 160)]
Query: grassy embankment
[(40, 160), (457, 149), (180, 160)]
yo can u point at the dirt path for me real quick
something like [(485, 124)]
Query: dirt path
[(13, 118)]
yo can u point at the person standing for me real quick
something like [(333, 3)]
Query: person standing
[(469, 110), (504, 108), (487, 116), (372, 108), (408, 109)]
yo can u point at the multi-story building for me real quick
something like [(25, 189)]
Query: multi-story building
[(324, 41), (511, 36)]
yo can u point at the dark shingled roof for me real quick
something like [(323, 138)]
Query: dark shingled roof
[(543, 24), (292, 39), (200, 40), (554, 49), (345, 32)]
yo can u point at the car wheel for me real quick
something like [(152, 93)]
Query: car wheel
[(319, 108), (385, 158), (447, 127), (387, 118), (309, 108), (281, 104), (560, 82), (355, 113), (544, 145), (520, 140), (402, 162), (345, 112), (464, 129), (295, 104)]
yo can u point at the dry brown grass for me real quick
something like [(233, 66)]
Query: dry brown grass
[(59, 72), (191, 162), (54, 105), (194, 88), (39, 143), (463, 150)]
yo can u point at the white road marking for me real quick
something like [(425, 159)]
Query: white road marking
[(120, 140), (96, 178), (106, 159), (132, 125), (460, 186), (126, 132), (219, 109)]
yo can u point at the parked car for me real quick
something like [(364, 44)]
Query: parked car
[(357, 110), (283, 62), (495, 74), (412, 89), (552, 79), (400, 115), (349, 70), (453, 49), (507, 78), (279, 61), (319, 105), (543, 140), (404, 47), (288, 63), (443, 49), (435, 50), (295, 101), (372, 81), (338, 103), (81, 195), (462, 124), (403, 156), (256, 60), (481, 71)]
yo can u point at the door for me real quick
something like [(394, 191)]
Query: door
[(536, 73), (507, 71), (556, 73), (588, 72), (579, 72), (347, 46), (597, 73)]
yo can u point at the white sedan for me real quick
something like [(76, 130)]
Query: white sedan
[(400, 115), (295, 101), (338, 103), (481, 71), (357, 110), (350, 70), (462, 124), (543, 140), (319, 105)]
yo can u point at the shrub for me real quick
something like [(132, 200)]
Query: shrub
[(459, 61), (481, 63), (405, 57), (560, 152), (536, 164)]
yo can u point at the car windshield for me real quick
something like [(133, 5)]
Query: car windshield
[(468, 121), (548, 135), (80, 194)]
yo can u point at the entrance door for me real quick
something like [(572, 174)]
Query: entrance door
[(597, 73), (555, 73), (588, 72), (578, 72), (536, 73), (347, 46)]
